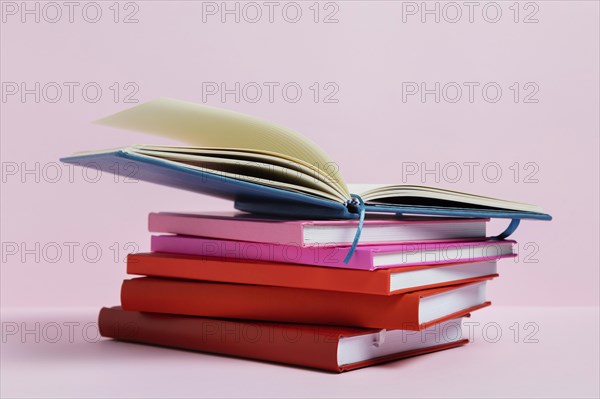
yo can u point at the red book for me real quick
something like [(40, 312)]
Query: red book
[(329, 348), (413, 311), (379, 282)]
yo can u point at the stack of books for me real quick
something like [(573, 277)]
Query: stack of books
[(279, 290), (314, 271)]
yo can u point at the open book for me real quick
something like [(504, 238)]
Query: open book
[(267, 168)]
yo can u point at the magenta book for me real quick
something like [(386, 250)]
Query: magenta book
[(369, 257)]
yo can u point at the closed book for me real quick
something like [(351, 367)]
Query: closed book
[(412, 311), (379, 282), (376, 229), (328, 348), (366, 257)]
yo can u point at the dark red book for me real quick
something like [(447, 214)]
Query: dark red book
[(329, 348)]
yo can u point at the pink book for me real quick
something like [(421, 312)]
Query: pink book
[(367, 257), (384, 229)]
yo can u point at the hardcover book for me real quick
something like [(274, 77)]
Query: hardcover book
[(412, 311), (329, 348), (266, 168), (379, 229), (366, 257), (381, 282)]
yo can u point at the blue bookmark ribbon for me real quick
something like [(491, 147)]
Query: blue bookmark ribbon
[(358, 201), (361, 209), (509, 230)]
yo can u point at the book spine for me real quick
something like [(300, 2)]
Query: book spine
[(258, 273), (276, 233), (317, 255), (268, 303), (300, 346)]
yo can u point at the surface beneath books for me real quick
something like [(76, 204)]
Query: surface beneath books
[(517, 352)]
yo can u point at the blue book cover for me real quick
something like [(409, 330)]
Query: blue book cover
[(268, 169)]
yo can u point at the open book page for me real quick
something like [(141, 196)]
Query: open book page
[(424, 195), (273, 165), (256, 170), (203, 126)]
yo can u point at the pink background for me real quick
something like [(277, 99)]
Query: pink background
[(370, 131)]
